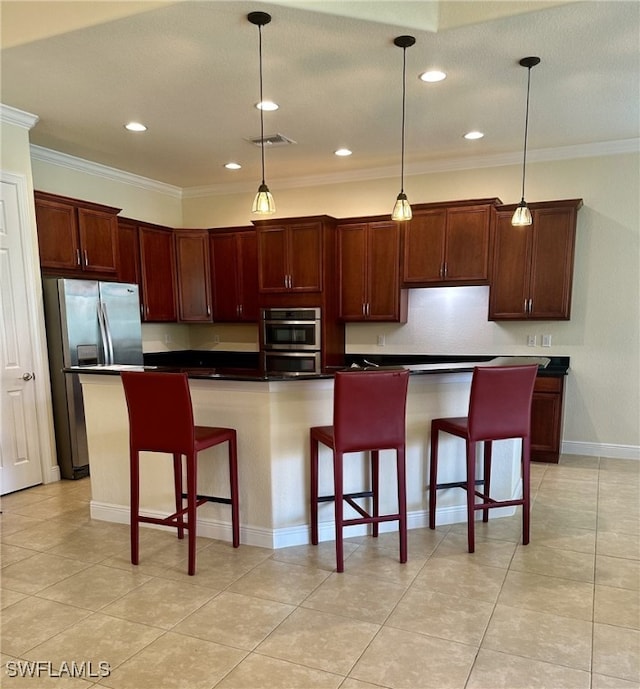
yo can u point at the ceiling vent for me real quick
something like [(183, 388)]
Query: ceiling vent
[(272, 140)]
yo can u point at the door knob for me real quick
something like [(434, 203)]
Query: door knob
[(27, 376)]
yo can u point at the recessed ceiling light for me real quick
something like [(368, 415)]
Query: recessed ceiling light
[(267, 105), (433, 75), (473, 135), (233, 166), (135, 127), (343, 152)]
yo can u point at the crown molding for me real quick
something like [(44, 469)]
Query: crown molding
[(20, 118), (597, 149), (70, 162)]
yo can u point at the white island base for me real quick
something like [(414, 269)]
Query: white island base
[(272, 419)]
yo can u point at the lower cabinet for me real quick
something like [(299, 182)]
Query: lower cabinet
[(546, 419)]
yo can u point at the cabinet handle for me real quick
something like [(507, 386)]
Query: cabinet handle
[(445, 267), (78, 260), (530, 306), (86, 258), (368, 309), (240, 309), (364, 309), (208, 310)]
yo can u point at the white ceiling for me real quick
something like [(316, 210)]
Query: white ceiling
[(189, 70)]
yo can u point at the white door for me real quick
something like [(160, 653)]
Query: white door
[(20, 462)]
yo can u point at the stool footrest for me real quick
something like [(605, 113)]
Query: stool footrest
[(458, 484), (497, 503), (372, 520), (346, 496), (208, 498)]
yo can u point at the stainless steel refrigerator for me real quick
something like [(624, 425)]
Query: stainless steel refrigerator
[(87, 323)]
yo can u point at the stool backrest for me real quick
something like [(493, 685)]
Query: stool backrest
[(500, 402), (160, 411), (369, 409)]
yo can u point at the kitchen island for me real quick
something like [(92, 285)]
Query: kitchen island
[(272, 417)]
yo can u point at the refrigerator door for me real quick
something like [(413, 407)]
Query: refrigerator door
[(79, 309), (120, 312)]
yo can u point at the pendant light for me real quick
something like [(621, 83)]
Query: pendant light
[(402, 209), (263, 203), (522, 214)]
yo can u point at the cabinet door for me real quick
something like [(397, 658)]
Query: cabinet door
[(272, 259), (248, 276), (509, 289), (552, 263), (192, 275), (467, 245), (383, 268), (158, 274), (546, 419), (128, 253), (305, 257), (352, 262), (424, 243), (224, 277), (57, 235), (98, 232)]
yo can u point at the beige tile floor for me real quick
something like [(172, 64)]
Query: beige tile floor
[(562, 612)]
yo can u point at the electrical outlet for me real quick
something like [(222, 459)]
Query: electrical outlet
[(216, 339), (167, 338), (546, 340), (381, 340), (532, 340)]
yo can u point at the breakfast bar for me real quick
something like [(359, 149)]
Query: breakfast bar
[(272, 416)]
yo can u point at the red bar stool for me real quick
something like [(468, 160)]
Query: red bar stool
[(369, 409), (499, 408), (161, 420)]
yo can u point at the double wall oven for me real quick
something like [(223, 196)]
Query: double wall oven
[(290, 340)]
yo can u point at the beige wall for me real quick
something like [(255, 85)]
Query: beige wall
[(602, 409)]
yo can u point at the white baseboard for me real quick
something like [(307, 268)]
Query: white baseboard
[(574, 447), (292, 535)]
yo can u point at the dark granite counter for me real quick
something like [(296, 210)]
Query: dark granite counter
[(243, 366)]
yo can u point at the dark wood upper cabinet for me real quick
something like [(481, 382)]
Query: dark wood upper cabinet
[(129, 251), (157, 272), (290, 255), (76, 237), (234, 271), (448, 244), (193, 276), (369, 272), (532, 272)]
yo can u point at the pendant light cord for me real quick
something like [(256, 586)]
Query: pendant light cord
[(404, 85), (261, 100), (526, 129)]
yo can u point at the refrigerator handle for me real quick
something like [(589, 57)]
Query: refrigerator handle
[(104, 336), (107, 329)]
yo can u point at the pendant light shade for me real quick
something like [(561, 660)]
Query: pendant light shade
[(522, 214), (402, 210), (263, 203)]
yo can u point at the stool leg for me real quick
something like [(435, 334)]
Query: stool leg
[(339, 508), (191, 510), (471, 496), (375, 485), (177, 483), (314, 489), (487, 476), (402, 502), (433, 477), (526, 494), (135, 505), (235, 498)]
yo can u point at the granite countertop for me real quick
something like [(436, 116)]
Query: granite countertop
[(200, 366)]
